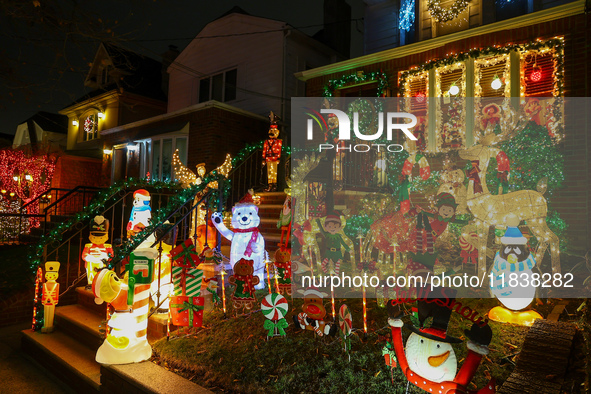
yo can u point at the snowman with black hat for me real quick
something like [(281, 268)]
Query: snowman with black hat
[(429, 361)]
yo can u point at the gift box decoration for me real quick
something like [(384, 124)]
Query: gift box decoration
[(185, 255), (187, 281), (187, 311)]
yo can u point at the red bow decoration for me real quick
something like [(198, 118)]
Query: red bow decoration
[(472, 256), (368, 266)]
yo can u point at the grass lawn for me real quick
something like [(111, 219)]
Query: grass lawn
[(233, 355)]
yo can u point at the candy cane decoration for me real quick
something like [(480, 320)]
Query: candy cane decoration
[(424, 172)]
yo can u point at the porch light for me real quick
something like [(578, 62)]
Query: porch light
[(74, 123), (101, 115), (107, 151), (132, 148)]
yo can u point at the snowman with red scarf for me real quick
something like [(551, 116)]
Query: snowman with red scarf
[(429, 361)]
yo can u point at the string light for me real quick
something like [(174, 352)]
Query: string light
[(406, 17), (445, 14), (357, 78)]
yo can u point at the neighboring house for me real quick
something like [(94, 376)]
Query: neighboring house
[(420, 57), (127, 87), (50, 131), (222, 87)]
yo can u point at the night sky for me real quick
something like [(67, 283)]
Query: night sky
[(46, 46)]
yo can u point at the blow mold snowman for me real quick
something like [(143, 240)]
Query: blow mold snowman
[(511, 279), (429, 361), (141, 212)]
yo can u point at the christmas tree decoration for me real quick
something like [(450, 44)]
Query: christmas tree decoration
[(274, 307), (513, 260), (345, 327), (284, 274), (244, 282), (312, 317), (272, 153), (429, 361), (98, 249), (247, 242), (127, 340), (141, 213), (51, 293), (495, 210)]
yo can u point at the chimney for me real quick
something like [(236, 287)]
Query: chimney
[(167, 59), (337, 26)]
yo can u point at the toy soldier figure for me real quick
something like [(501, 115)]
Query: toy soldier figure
[(51, 292), (272, 153)]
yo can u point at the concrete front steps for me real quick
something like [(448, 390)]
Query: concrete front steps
[(269, 210), (69, 353)]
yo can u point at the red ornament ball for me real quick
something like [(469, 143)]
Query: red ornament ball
[(536, 75), (420, 97)]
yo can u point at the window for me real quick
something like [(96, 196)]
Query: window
[(89, 126), (162, 151), (457, 123), (220, 87)]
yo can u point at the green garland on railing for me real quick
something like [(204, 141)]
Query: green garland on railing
[(36, 251), (356, 78), (161, 215)]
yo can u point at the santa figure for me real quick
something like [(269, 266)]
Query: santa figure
[(429, 361), (141, 212), (272, 153)]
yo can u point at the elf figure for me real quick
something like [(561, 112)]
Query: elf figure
[(514, 258), (429, 361), (424, 259), (332, 232), (272, 153), (98, 249), (51, 293), (245, 281), (141, 212), (284, 223)]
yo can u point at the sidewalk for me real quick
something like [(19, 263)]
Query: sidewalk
[(20, 374)]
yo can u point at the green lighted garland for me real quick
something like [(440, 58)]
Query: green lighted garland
[(445, 14), (335, 84), (35, 255), (557, 43)]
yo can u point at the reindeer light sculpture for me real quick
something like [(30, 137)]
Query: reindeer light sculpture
[(495, 210)]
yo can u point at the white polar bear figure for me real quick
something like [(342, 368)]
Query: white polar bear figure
[(247, 242)]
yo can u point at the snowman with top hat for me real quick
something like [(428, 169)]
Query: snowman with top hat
[(429, 361), (511, 279)]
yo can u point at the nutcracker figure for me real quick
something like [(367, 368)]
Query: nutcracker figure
[(51, 292), (98, 249), (272, 153)]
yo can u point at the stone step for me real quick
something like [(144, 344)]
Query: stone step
[(64, 357), (145, 377), (81, 324)]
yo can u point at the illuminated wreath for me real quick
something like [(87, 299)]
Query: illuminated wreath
[(445, 14)]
